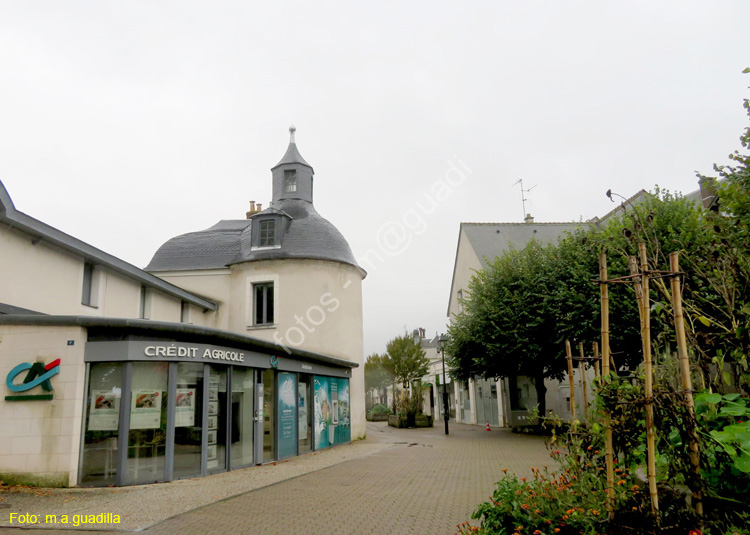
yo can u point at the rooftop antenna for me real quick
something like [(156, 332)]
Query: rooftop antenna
[(523, 196)]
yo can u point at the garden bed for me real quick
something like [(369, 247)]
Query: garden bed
[(420, 420)]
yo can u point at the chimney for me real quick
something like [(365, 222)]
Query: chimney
[(259, 208), (528, 219), (253, 210)]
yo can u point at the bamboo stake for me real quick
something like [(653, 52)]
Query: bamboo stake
[(687, 383), (597, 363), (583, 383), (608, 449), (569, 356), (644, 307)]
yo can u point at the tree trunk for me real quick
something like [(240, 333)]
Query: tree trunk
[(541, 395)]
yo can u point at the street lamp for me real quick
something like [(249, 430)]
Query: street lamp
[(441, 349)]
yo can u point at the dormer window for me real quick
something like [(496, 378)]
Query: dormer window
[(267, 235), (268, 229), (290, 181)]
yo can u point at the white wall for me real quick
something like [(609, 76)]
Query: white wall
[(318, 307), (40, 440), (467, 263), (214, 284), (47, 279)]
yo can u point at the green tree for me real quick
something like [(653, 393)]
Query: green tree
[(377, 374), (512, 324), (408, 363)]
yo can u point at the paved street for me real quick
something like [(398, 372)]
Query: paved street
[(397, 481)]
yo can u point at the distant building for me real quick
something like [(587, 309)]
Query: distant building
[(237, 345), (506, 402), (499, 402)]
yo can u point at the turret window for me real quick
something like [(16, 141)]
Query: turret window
[(267, 233), (263, 303), (290, 181)]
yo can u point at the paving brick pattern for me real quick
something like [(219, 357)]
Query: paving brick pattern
[(417, 482)]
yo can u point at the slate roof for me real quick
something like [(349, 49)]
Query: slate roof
[(308, 235), (215, 247), (10, 309), (489, 240), (292, 155)]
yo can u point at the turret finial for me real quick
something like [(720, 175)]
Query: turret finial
[(292, 130)]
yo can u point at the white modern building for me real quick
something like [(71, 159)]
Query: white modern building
[(237, 345)]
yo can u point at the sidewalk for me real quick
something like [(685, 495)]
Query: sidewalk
[(395, 481)]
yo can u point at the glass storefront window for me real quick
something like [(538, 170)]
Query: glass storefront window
[(216, 427), (188, 419), (148, 423), (323, 423), (99, 461), (243, 386)]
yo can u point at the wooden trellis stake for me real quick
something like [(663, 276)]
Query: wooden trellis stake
[(569, 357), (608, 449), (687, 383), (583, 382), (644, 308)]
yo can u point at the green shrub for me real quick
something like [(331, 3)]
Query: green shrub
[(380, 409)]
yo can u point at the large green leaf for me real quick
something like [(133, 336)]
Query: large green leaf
[(742, 463), (707, 398), (733, 409)]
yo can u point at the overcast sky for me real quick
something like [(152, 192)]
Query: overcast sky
[(126, 123)]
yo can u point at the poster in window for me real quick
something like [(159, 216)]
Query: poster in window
[(213, 408), (211, 436), (145, 409), (105, 411), (213, 422), (213, 392), (287, 419), (184, 415)]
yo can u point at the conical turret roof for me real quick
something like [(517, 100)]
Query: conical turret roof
[(292, 155)]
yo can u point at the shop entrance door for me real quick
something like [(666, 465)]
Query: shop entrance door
[(486, 400)]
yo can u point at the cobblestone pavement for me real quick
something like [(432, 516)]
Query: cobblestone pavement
[(396, 481)]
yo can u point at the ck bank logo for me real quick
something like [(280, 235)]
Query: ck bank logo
[(38, 374)]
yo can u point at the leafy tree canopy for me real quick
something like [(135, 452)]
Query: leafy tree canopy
[(377, 372), (407, 360)]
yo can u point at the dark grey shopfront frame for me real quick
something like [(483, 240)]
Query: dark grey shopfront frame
[(129, 351)]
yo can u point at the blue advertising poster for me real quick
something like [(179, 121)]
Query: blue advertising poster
[(323, 420), (287, 429), (344, 429)]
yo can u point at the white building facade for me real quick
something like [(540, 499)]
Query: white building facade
[(237, 345), (502, 402)]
